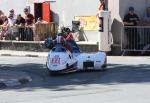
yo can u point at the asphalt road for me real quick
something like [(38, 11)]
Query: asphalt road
[(127, 80)]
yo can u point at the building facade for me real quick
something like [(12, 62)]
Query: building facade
[(64, 11)]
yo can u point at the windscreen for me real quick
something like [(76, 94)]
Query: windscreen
[(58, 49)]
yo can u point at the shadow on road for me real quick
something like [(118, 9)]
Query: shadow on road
[(116, 74)]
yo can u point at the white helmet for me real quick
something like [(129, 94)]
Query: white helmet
[(60, 39)]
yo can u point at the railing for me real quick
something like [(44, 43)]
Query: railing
[(135, 38), (38, 32)]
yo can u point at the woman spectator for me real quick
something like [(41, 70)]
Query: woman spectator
[(5, 28)]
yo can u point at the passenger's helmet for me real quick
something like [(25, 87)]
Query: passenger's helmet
[(67, 30)]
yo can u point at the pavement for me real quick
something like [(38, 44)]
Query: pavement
[(22, 53)]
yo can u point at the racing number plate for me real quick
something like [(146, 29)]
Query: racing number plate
[(55, 60)]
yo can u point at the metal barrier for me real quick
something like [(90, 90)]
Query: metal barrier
[(38, 32), (135, 38)]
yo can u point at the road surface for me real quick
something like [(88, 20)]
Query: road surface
[(127, 80)]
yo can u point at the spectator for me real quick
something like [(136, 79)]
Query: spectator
[(131, 19), (12, 16), (20, 23), (1, 13), (5, 28), (29, 18), (146, 18), (12, 20), (1, 21), (146, 22)]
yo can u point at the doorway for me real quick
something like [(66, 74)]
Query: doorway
[(42, 10), (37, 10)]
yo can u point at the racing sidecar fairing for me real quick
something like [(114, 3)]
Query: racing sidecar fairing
[(61, 60)]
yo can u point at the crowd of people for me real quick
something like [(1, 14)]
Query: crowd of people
[(19, 25)]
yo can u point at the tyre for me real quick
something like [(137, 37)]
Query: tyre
[(49, 73), (104, 66)]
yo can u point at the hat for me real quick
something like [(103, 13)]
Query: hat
[(131, 8), (26, 9)]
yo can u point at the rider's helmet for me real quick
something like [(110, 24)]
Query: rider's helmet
[(60, 38), (48, 43)]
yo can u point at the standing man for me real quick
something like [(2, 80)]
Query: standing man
[(131, 20), (12, 16), (20, 23), (29, 18)]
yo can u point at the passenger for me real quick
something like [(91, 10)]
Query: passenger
[(70, 42), (68, 34), (131, 20), (61, 40)]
